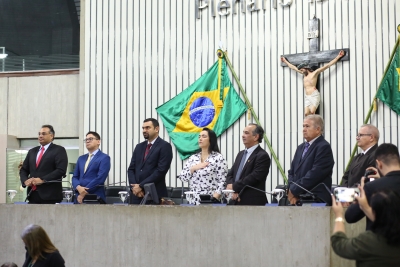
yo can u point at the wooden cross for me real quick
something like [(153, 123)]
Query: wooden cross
[(315, 57)]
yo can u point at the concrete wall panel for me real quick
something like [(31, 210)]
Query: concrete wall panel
[(37, 100), (106, 235)]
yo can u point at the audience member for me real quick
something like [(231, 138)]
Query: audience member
[(379, 246), (40, 251), (206, 170), (388, 166)]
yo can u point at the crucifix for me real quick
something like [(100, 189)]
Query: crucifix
[(308, 65)]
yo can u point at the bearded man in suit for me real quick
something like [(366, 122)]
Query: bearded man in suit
[(150, 162), (44, 168)]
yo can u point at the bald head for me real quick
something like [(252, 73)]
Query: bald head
[(368, 135)]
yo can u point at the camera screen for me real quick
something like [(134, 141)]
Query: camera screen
[(344, 194)]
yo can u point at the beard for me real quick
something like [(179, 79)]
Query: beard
[(146, 135)]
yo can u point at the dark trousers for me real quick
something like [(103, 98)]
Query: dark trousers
[(34, 198)]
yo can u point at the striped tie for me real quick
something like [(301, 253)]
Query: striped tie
[(87, 162), (307, 145)]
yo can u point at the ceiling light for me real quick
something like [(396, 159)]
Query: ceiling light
[(3, 55)]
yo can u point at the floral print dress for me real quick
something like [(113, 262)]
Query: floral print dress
[(208, 180)]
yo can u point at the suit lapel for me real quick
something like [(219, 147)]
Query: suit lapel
[(153, 147), (358, 160), (45, 154), (94, 159), (309, 151), (250, 159), (239, 158), (34, 156)]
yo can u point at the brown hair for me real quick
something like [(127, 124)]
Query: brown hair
[(37, 241)]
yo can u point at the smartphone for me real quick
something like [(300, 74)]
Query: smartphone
[(344, 194)]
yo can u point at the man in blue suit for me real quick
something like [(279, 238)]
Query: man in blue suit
[(150, 162), (312, 163), (91, 170)]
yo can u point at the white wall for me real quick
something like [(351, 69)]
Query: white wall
[(37, 100), (140, 54)]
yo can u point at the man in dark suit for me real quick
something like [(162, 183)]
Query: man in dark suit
[(312, 163), (43, 167), (251, 168), (150, 162), (91, 170), (367, 139), (388, 167)]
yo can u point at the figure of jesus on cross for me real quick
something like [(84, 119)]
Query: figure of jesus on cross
[(312, 97)]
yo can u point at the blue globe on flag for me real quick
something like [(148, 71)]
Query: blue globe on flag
[(202, 111)]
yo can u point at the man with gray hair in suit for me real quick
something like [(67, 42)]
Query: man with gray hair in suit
[(312, 164), (367, 139)]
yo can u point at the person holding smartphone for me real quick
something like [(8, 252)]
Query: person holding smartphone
[(379, 246), (388, 166)]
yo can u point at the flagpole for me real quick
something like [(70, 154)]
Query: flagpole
[(374, 99), (252, 112)]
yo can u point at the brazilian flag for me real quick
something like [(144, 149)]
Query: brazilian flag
[(211, 101), (389, 90)]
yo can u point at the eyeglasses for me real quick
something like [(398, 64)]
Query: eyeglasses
[(89, 139), (361, 135), (39, 133)]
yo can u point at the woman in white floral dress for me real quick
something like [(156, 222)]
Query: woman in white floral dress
[(206, 170)]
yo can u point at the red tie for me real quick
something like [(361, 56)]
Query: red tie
[(147, 150), (37, 164), (40, 156)]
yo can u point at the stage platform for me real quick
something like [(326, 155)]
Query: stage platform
[(111, 235)]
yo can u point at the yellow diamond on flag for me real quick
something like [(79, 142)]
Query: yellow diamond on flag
[(211, 101), (202, 110)]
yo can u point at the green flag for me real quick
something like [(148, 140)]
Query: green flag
[(211, 101), (389, 90)]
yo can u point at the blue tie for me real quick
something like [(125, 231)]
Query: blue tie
[(241, 165), (307, 145)]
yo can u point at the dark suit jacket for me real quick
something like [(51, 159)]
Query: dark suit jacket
[(52, 167), (314, 168), (151, 170), (95, 175), (358, 166), (390, 181), (254, 173)]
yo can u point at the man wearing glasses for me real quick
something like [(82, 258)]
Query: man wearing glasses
[(44, 168), (367, 139), (91, 170)]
